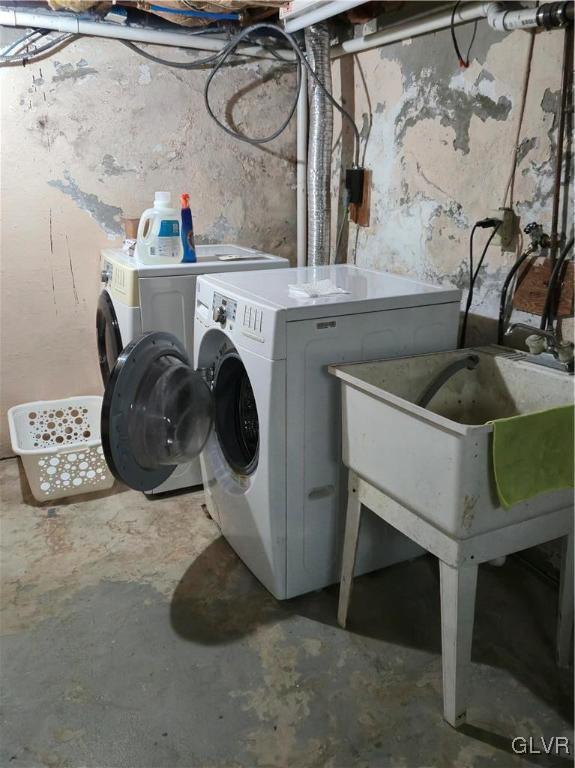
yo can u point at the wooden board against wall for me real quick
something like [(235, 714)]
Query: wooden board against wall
[(360, 213), (532, 286)]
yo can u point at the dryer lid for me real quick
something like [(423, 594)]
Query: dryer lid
[(157, 411)]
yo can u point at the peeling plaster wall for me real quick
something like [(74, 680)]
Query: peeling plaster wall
[(88, 136), (440, 148)]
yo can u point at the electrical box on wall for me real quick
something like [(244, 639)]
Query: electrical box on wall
[(359, 212), (506, 235)]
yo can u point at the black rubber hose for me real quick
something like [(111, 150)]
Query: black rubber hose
[(472, 279), (469, 361), (565, 91), (548, 317), (503, 300)]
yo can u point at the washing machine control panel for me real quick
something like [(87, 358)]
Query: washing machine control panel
[(223, 309)]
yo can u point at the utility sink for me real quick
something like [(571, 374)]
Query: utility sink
[(436, 461)]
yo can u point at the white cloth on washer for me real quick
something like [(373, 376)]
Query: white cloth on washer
[(315, 290)]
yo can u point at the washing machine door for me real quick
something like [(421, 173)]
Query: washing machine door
[(108, 335), (157, 411), (236, 420)]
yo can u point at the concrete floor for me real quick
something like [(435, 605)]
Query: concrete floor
[(133, 636)]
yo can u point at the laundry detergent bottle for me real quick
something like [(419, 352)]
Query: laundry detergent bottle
[(159, 239)]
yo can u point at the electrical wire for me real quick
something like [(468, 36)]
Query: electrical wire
[(216, 62), (503, 301), (38, 54), (200, 63), (463, 62), (24, 41), (196, 64), (301, 61), (235, 134), (473, 277)]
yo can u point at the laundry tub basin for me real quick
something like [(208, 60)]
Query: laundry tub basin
[(437, 461)]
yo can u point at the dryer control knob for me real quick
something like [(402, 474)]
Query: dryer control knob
[(105, 276), (220, 315)]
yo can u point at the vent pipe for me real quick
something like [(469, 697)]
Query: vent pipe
[(317, 42)]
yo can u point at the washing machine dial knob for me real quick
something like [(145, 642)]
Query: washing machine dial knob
[(105, 276), (220, 314)]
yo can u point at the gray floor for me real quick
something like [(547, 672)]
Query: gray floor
[(133, 636)]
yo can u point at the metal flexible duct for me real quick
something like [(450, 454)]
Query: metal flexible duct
[(319, 147)]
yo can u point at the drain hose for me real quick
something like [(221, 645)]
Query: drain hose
[(469, 361)]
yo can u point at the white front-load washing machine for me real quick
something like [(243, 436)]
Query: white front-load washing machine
[(258, 403), (161, 297)]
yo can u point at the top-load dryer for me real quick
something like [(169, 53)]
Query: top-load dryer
[(258, 403), (161, 297)]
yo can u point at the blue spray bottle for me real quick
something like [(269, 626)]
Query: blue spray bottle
[(187, 231)]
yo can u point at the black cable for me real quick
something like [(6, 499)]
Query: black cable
[(463, 62), (38, 54), (473, 276), (226, 52), (301, 61), (504, 290), (463, 328), (27, 38), (218, 60), (548, 317), (196, 64)]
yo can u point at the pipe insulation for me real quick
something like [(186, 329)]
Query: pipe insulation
[(317, 42)]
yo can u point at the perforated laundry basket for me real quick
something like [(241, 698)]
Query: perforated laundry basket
[(59, 444)]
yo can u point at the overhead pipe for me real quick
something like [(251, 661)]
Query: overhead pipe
[(547, 16), (317, 12), (433, 22), (75, 25)]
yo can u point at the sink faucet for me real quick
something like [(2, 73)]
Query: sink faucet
[(541, 340)]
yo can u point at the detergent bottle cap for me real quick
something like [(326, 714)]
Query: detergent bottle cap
[(185, 199), (162, 199)]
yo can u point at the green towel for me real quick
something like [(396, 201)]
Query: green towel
[(533, 453)]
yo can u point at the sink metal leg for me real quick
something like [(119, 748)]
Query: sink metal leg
[(352, 521), (458, 586), (565, 613)]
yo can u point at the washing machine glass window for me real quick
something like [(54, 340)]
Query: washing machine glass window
[(157, 411), (171, 414), (236, 415), (108, 335)]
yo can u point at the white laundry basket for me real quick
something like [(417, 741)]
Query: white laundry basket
[(59, 444)]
